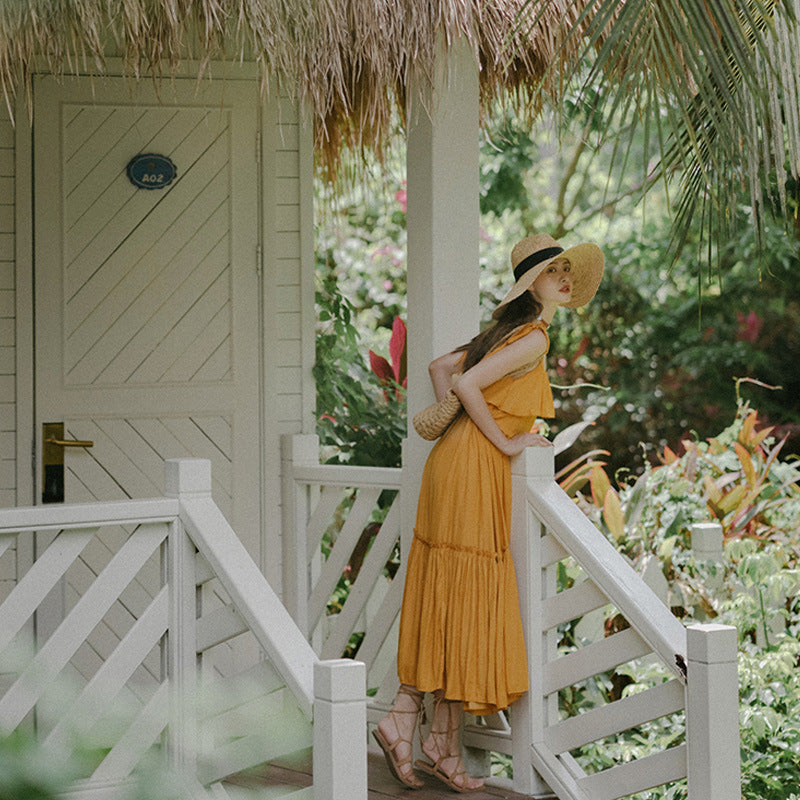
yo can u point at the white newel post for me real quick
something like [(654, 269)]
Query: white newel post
[(300, 449), (712, 713), (183, 477), (340, 719), (529, 713)]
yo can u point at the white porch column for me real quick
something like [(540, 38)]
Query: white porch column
[(443, 219)]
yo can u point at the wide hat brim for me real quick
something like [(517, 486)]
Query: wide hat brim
[(587, 263)]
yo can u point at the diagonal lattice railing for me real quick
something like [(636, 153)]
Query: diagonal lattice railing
[(692, 691), (342, 528), (545, 736), (161, 686)]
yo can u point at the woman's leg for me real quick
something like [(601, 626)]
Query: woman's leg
[(395, 734), (443, 748)]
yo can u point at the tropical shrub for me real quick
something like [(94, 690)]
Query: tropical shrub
[(361, 415), (738, 480), (669, 344)]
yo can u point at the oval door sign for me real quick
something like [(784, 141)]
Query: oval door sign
[(151, 171)]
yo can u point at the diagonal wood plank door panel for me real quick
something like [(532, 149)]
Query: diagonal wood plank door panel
[(99, 304), (146, 306)]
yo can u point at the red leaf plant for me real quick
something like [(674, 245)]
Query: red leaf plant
[(394, 374)]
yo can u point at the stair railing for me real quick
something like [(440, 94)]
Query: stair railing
[(698, 684), (154, 669), (548, 529)]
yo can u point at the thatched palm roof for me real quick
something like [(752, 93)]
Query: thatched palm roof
[(349, 61)]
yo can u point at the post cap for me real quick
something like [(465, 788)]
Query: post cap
[(711, 643), (187, 476), (340, 680)]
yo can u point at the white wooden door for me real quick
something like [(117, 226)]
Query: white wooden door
[(146, 301)]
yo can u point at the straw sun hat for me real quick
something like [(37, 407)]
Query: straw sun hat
[(530, 257)]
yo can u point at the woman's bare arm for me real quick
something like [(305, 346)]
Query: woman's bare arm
[(442, 370)]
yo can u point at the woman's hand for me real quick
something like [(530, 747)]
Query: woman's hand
[(516, 444)]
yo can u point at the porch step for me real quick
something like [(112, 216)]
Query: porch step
[(381, 783)]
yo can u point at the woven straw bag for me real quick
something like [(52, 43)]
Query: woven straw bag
[(433, 421)]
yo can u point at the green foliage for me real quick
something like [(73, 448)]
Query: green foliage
[(358, 421), (770, 719), (506, 157), (361, 239), (28, 771), (737, 479), (666, 336), (669, 345), (710, 85)]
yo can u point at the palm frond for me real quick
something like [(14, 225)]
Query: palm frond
[(721, 81)]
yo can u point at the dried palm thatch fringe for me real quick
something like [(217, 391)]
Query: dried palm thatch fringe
[(349, 61)]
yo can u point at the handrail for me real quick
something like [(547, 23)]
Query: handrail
[(347, 476), (84, 515), (609, 570), (252, 596), (331, 693), (548, 526)]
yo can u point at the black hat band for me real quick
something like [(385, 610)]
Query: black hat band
[(533, 259)]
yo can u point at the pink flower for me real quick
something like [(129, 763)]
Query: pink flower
[(386, 250), (749, 326), (402, 198), (391, 251)]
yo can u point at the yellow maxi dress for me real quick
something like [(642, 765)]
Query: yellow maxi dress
[(460, 627)]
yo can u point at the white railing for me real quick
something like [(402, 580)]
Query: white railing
[(341, 538), (542, 738), (549, 529), (158, 688)]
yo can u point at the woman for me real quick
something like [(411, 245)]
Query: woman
[(460, 629)]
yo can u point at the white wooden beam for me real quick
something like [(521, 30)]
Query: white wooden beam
[(530, 715), (304, 450), (340, 725)]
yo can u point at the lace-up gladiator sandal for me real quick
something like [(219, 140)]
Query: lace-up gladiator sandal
[(458, 779), (401, 765)]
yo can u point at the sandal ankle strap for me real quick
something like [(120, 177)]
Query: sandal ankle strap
[(410, 691)]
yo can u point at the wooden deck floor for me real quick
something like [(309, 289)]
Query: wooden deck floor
[(381, 783)]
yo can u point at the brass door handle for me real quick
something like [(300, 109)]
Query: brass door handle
[(70, 442)]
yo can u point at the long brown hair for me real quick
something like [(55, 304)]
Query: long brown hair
[(522, 309)]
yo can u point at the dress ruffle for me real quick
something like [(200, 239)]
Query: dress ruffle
[(466, 664)]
